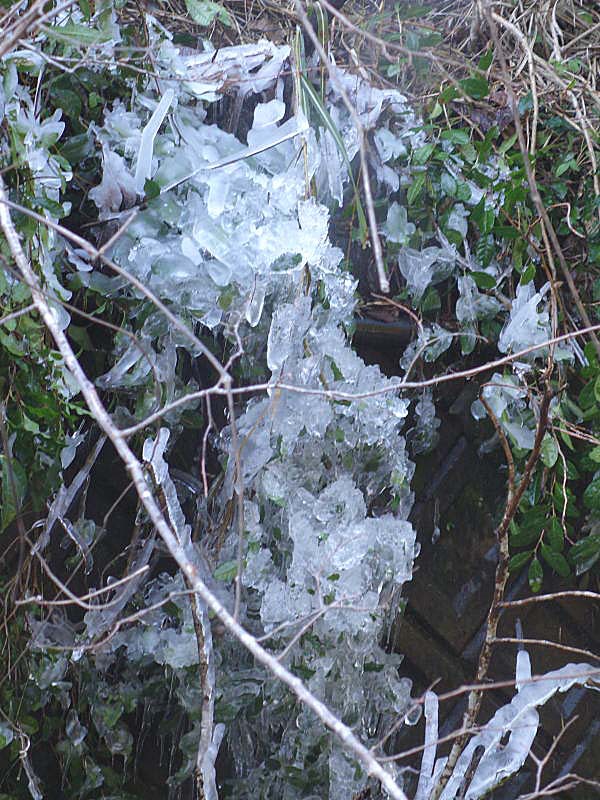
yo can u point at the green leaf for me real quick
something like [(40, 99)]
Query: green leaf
[(69, 101), (415, 188), (483, 280), (527, 275), (455, 136), (226, 571), (11, 505), (518, 561), (556, 560), (449, 94), (535, 576), (421, 155), (476, 87), (585, 549), (555, 536), (6, 735), (523, 538), (596, 390), (74, 33), (486, 59), (595, 455), (507, 144), (151, 190), (549, 450), (204, 12), (591, 496)]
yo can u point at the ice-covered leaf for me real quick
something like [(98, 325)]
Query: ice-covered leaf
[(397, 228), (117, 189)]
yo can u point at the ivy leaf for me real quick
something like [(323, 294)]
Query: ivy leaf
[(455, 136), (415, 188), (518, 561), (555, 536), (591, 496), (75, 34), (476, 87), (422, 154), (535, 576), (486, 59), (549, 450), (556, 560), (6, 735), (151, 189), (204, 12), (11, 505), (484, 280), (528, 274)]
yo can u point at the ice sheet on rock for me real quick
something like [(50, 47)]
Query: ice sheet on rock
[(424, 268), (370, 101), (332, 171), (264, 125)]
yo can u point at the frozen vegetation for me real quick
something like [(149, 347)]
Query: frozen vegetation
[(231, 241)]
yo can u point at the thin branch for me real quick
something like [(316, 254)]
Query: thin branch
[(546, 643), (543, 598), (501, 579), (333, 394)]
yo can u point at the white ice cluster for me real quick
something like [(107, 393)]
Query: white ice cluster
[(231, 242)]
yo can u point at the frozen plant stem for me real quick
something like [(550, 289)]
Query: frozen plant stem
[(169, 537), (384, 284)]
